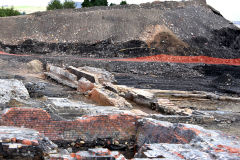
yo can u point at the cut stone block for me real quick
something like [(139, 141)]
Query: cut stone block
[(62, 72), (84, 85), (80, 73), (108, 98), (12, 89), (61, 80)]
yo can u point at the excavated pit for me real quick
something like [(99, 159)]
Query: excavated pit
[(184, 55)]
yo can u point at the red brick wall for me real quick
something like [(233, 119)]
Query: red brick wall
[(88, 127)]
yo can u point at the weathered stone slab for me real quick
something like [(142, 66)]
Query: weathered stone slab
[(183, 141), (81, 73), (74, 109), (148, 99), (192, 119), (101, 74), (12, 89), (61, 80), (65, 73), (167, 107), (108, 98)]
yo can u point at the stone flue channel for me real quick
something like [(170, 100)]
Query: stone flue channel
[(115, 129), (156, 139)]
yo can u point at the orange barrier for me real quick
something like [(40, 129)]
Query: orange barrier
[(164, 58), (184, 59)]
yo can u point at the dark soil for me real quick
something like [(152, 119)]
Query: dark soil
[(108, 32), (63, 37), (156, 75)]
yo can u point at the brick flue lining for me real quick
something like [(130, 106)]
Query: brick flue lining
[(120, 127), (89, 128)]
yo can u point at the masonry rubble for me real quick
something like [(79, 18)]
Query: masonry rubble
[(89, 131), (98, 84), (12, 89), (156, 139)]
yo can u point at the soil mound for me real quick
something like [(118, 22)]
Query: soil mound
[(175, 28)]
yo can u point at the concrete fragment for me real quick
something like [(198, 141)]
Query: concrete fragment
[(108, 98), (12, 89), (84, 85), (35, 66), (81, 73)]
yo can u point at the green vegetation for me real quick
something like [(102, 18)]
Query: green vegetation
[(112, 4), (123, 3), (69, 4), (4, 12), (91, 3), (56, 4)]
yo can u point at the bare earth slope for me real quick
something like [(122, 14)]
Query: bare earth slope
[(176, 28)]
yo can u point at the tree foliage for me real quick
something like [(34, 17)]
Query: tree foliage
[(91, 3), (56, 4), (123, 3), (69, 4), (4, 12), (112, 4)]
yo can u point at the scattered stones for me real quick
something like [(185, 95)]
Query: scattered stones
[(90, 154), (145, 98), (35, 66), (110, 94), (12, 89)]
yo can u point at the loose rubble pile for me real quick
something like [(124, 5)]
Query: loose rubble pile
[(109, 129), (98, 85)]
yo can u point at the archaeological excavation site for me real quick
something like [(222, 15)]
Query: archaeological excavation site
[(156, 81)]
